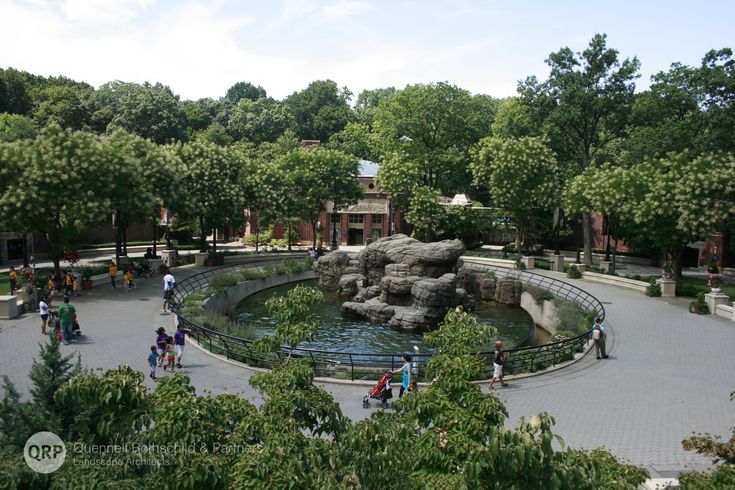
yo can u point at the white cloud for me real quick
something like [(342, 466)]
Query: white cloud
[(339, 10), (102, 11)]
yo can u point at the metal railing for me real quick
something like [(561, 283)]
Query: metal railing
[(362, 365)]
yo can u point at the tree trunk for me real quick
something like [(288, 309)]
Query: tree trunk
[(24, 247), (587, 234), (676, 256), (518, 239), (288, 233), (313, 235), (125, 238), (154, 234), (118, 241), (214, 240), (203, 235), (257, 233), (51, 239)]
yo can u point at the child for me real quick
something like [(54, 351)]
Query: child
[(126, 282), (161, 344), (152, 361), (170, 354), (13, 277), (51, 285), (68, 284), (75, 284), (130, 277)]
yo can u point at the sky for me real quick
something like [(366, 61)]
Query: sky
[(201, 48)]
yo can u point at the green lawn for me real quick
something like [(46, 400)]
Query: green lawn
[(690, 286)]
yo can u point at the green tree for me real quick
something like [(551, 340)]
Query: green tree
[(424, 134), (424, 212), (680, 199), (584, 106), (243, 90), (211, 192), (14, 92), (356, 140), (150, 111), (320, 176), (62, 105), (320, 110), (521, 174), (259, 120), (369, 100), (16, 127), (50, 186)]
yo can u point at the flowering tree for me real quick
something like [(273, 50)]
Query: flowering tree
[(54, 185), (521, 174), (679, 199)]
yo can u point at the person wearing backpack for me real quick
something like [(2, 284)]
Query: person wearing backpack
[(599, 335)]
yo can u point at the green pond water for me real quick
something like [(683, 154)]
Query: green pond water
[(340, 333)]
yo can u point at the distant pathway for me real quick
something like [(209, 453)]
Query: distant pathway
[(670, 373)]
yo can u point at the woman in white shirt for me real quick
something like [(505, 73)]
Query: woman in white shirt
[(43, 310)]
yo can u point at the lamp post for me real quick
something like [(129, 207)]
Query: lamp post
[(579, 237), (335, 216)]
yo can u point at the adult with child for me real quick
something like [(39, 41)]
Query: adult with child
[(67, 315), (406, 372), (599, 335)]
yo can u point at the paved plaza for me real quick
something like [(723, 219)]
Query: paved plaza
[(669, 373)]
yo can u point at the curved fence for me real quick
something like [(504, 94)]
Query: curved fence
[(362, 365)]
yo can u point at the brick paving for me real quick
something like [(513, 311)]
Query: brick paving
[(669, 372)]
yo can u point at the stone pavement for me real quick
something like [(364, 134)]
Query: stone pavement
[(669, 372)]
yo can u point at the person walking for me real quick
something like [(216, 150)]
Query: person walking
[(179, 343), (169, 283), (43, 311), (161, 343), (67, 315), (153, 361), (406, 372), (113, 272), (498, 363), (599, 335), (68, 284), (13, 278)]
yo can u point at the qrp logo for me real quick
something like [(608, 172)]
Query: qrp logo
[(44, 452)]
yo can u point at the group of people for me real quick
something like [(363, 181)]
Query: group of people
[(64, 284), (133, 270), (63, 322), (168, 351)]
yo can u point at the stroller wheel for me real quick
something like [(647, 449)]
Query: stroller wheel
[(385, 404), (365, 404)]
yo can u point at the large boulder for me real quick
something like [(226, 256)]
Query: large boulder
[(508, 291), (350, 284), (331, 267), (398, 285)]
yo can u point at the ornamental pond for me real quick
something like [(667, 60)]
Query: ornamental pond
[(344, 334)]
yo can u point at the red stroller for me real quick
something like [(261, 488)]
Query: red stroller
[(382, 391)]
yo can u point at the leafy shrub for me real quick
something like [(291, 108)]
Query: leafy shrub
[(574, 272), (491, 274), (253, 274), (543, 264), (635, 277), (220, 282), (296, 266), (700, 307), (654, 289), (520, 265), (222, 323), (263, 237), (539, 294), (571, 318)]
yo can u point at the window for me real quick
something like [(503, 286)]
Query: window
[(356, 218), (377, 219)]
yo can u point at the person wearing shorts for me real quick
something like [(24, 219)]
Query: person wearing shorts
[(153, 361), (498, 362), (43, 310), (169, 282), (180, 343)]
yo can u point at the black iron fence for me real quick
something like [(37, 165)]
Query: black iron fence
[(362, 365)]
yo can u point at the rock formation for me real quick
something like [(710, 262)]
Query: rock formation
[(398, 280)]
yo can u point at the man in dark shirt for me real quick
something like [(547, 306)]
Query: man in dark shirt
[(498, 361)]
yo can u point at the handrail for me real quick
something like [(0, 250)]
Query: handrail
[(367, 364)]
